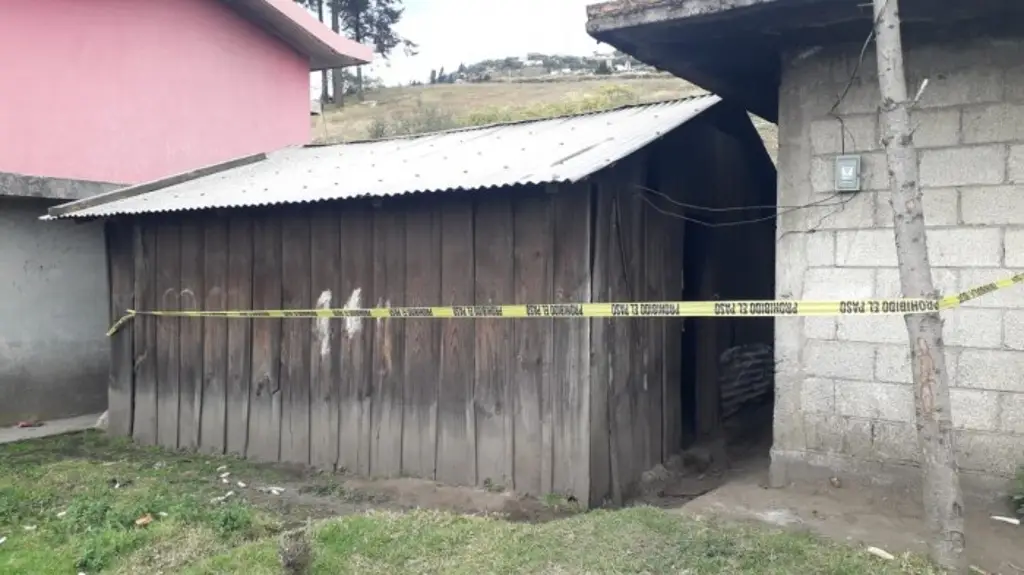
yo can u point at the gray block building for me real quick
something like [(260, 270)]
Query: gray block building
[(844, 404)]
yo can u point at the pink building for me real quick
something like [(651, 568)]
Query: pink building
[(99, 94)]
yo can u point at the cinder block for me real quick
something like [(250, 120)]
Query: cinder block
[(936, 128), (872, 328), (887, 282), (1011, 417), (965, 247), (975, 409), (991, 369), (840, 360), (873, 400), (1013, 329), (861, 135), (865, 248), (824, 432), (988, 452), (818, 395), (820, 249), (874, 173), (878, 440), (973, 327), (820, 327), (975, 165), (993, 123), (992, 206), (1013, 245), (892, 364), (843, 212), (1009, 298), (940, 208), (838, 283), (958, 87), (1015, 169)]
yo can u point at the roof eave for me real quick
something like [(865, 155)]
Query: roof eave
[(293, 25)]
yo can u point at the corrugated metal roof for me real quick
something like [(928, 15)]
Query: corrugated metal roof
[(565, 149)]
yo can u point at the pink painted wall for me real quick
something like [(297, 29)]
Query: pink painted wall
[(127, 91)]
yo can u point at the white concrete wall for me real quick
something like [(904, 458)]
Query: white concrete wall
[(844, 397), (53, 314)]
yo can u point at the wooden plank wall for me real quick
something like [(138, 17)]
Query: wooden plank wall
[(476, 402), (635, 369)]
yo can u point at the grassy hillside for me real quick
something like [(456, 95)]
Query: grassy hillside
[(416, 109)]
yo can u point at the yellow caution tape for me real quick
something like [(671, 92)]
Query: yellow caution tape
[(754, 308)]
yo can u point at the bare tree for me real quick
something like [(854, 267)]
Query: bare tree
[(943, 501)]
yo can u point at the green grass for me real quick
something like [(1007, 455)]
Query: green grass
[(61, 513)]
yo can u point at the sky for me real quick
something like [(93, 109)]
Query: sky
[(450, 32)]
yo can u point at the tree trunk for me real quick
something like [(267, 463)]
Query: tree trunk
[(337, 78), (325, 95), (943, 501)]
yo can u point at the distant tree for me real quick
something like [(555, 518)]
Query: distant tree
[(462, 69), (373, 22), (318, 6), (433, 76), (441, 78), (603, 69)]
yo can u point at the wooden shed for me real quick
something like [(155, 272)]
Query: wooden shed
[(586, 208)]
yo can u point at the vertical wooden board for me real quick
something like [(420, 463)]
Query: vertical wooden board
[(190, 373), (493, 285), (654, 289), (121, 278), (296, 336), (265, 389), (213, 409), (323, 403), (239, 297), (642, 447), (600, 360), (456, 415), (671, 249), (144, 428), (570, 393), (620, 347), (355, 365), (168, 286), (422, 343), (532, 369), (389, 347)]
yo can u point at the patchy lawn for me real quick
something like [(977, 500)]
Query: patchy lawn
[(87, 503)]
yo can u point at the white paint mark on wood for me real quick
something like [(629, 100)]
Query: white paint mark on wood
[(353, 325), (322, 330)]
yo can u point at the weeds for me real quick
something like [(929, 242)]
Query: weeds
[(1017, 493)]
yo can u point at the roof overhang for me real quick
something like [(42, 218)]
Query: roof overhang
[(292, 24), (26, 186), (733, 47)]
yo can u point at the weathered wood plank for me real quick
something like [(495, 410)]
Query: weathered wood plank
[(532, 370), (265, 390), (190, 373), (324, 392), (422, 343), (356, 338), (389, 347), (121, 278), (456, 430), (168, 286), (570, 393), (600, 359), (213, 408), (296, 336), (655, 290), (641, 446), (672, 252), (492, 248), (144, 428), (239, 374)]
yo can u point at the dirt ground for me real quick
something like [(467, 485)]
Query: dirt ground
[(730, 481)]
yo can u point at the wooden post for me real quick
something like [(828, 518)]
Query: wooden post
[(943, 501)]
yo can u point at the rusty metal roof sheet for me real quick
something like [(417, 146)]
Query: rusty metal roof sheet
[(565, 149)]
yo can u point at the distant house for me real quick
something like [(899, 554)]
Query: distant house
[(584, 208), (100, 94), (845, 406)]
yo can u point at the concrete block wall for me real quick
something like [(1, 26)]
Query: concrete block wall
[(844, 400)]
